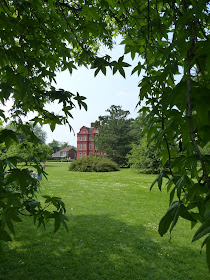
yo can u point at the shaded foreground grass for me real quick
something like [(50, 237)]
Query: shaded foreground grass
[(113, 220)]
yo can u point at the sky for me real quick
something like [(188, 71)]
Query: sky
[(101, 92)]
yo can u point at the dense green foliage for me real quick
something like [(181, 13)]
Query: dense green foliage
[(115, 135), (93, 164), (35, 41), (144, 157), (26, 151), (175, 41)]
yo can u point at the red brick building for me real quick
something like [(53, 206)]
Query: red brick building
[(85, 138), (66, 153)]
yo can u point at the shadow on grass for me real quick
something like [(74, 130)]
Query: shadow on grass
[(97, 247)]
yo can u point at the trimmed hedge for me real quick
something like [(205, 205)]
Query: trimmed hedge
[(58, 160), (93, 164)]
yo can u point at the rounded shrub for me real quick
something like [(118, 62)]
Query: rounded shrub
[(93, 164)]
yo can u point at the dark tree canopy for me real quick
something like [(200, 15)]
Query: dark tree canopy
[(115, 135), (55, 145)]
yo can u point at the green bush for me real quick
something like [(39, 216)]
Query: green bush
[(146, 159), (93, 164)]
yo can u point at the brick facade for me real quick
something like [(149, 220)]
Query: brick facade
[(85, 144)]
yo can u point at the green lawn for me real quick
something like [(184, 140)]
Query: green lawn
[(113, 220)]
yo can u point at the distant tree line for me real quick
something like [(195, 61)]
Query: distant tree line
[(57, 146), (25, 150)]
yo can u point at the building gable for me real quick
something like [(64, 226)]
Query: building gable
[(83, 130)]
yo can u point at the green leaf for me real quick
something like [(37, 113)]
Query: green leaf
[(122, 72), (96, 72), (154, 182), (172, 195), (159, 180), (176, 217), (205, 241), (4, 236), (184, 213), (167, 219), (138, 69), (52, 125), (202, 230)]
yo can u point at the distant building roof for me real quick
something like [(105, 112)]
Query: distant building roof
[(58, 154), (90, 128)]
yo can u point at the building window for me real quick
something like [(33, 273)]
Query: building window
[(63, 154), (96, 130), (84, 146), (90, 137), (80, 138), (83, 132), (80, 146), (90, 146), (84, 138), (80, 155), (84, 154)]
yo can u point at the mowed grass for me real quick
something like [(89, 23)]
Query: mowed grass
[(113, 221)]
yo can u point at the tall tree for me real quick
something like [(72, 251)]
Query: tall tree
[(64, 145), (55, 145), (115, 136)]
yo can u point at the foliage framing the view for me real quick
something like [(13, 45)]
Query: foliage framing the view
[(171, 37), (38, 38), (33, 44)]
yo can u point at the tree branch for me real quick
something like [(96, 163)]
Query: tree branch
[(189, 105), (167, 145)]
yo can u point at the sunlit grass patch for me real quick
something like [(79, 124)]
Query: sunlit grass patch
[(113, 221)]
